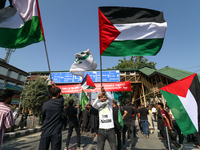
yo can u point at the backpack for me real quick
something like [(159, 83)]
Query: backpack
[(120, 119)]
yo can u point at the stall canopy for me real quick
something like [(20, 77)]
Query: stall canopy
[(113, 86)]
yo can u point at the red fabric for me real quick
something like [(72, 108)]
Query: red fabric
[(165, 114), (179, 87), (40, 18), (113, 86), (107, 32), (90, 82)]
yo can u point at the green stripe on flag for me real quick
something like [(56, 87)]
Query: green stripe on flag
[(84, 100), (17, 38), (142, 47), (180, 114)]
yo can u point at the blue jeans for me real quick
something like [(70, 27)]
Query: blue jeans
[(106, 134), (145, 126)]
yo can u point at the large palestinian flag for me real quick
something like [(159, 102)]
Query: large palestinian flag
[(183, 98), (128, 31), (20, 26)]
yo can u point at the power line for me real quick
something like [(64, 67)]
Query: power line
[(192, 67)]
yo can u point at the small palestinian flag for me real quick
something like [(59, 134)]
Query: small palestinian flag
[(183, 98), (128, 31), (87, 83)]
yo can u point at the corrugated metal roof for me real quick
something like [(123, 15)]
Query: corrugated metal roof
[(174, 73), (147, 71)]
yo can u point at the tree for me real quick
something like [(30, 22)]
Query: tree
[(34, 95), (134, 62), (73, 97)]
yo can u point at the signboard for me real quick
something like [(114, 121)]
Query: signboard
[(15, 99), (14, 87), (67, 77), (114, 86)]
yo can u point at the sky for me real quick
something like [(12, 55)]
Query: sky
[(71, 26)]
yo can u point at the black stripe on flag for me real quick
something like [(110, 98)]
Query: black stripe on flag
[(123, 15), (195, 90)]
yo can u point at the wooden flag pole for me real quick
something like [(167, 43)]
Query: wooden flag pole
[(47, 59)]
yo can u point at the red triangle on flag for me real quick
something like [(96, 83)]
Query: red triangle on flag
[(179, 87), (107, 32), (90, 82)]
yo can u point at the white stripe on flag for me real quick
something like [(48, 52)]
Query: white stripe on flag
[(190, 106), (136, 31), (26, 8), (84, 86)]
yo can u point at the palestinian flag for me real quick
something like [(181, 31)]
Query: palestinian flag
[(87, 83), (183, 98), (20, 26), (84, 100), (128, 31)]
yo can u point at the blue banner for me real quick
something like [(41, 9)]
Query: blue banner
[(67, 77)]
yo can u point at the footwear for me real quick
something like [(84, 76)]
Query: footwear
[(79, 148), (147, 136), (66, 148), (123, 146), (181, 147)]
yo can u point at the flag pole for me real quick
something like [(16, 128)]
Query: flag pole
[(47, 59), (101, 69)]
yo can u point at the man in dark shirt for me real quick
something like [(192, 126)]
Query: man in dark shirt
[(116, 122), (168, 127), (64, 117), (142, 116), (73, 123), (52, 111), (128, 123)]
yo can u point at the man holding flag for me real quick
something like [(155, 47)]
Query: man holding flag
[(104, 104)]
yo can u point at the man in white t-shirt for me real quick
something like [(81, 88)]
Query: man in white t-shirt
[(15, 113), (153, 110), (106, 123)]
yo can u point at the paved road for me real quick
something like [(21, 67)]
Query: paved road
[(31, 142)]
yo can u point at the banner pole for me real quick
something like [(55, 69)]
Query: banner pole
[(101, 70), (47, 59)]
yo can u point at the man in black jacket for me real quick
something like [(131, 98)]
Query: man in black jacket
[(73, 123), (52, 112), (128, 123)]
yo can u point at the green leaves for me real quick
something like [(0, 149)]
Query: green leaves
[(133, 63), (34, 95)]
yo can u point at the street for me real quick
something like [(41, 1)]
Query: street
[(31, 142)]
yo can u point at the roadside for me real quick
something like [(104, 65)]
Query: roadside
[(22, 132)]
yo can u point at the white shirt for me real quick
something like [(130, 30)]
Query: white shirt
[(153, 110), (105, 113), (15, 112)]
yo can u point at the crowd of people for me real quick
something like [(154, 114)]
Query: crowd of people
[(103, 118)]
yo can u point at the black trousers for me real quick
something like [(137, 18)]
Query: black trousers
[(70, 130), (169, 140), (118, 132), (55, 140), (154, 114), (180, 135), (128, 126), (64, 122)]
